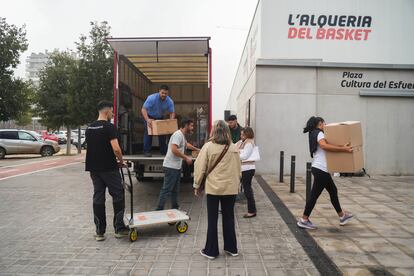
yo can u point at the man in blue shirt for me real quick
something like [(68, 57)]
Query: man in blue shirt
[(154, 108)]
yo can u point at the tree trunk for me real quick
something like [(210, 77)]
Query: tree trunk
[(68, 143)]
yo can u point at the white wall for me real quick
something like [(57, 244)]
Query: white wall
[(248, 59), (287, 96), (390, 41)]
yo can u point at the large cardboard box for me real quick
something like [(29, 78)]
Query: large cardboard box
[(163, 127), (341, 134), (344, 162)]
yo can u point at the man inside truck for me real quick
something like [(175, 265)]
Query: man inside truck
[(154, 108)]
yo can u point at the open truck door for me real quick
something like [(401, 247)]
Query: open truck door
[(141, 65)]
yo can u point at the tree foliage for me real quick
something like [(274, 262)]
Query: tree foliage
[(71, 88), (14, 92), (56, 91), (94, 81)]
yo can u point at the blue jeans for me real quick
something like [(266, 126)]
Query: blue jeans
[(148, 141), (171, 186)]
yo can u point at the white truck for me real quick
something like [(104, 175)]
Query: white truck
[(141, 65)]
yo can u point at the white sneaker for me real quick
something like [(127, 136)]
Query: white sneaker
[(345, 218), (232, 254), (205, 255)]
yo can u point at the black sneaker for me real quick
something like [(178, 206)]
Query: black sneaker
[(122, 234), (147, 154), (99, 237)]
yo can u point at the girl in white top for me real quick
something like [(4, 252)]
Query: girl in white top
[(322, 179), (246, 146)]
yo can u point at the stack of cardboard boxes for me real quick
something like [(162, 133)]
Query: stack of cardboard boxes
[(341, 134)]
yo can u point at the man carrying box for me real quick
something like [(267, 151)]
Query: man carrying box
[(173, 162), (154, 108)]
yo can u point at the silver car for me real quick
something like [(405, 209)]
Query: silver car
[(13, 141)]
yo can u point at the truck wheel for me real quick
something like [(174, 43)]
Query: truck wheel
[(46, 151), (2, 153)]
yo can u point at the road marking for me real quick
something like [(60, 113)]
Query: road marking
[(28, 163), (42, 170), (11, 170)]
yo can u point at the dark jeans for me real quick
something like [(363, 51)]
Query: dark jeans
[(171, 186), (112, 181), (322, 180), (229, 234), (162, 139), (248, 191)]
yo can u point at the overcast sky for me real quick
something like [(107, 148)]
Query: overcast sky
[(54, 24)]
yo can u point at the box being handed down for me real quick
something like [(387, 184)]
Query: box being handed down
[(163, 127), (341, 134)]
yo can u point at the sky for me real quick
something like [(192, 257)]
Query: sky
[(57, 24)]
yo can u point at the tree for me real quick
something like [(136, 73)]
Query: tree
[(14, 92), (28, 111), (94, 81), (56, 92)]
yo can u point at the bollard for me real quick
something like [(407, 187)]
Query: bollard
[(308, 180), (292, 173), (282, 161)]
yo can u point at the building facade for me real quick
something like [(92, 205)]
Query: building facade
[(341, 60), (35, 63)]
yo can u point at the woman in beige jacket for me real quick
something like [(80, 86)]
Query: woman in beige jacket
[(221, 187)]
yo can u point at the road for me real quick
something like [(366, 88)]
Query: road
[(14, 166), (47, 228)]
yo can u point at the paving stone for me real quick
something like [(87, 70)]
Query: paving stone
[(61, 227), (379, 238)]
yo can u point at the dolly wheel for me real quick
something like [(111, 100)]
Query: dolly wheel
[(182, 227), (133, 235)]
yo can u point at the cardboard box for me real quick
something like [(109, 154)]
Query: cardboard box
[(163, 127), (344, 162), (341, 134)]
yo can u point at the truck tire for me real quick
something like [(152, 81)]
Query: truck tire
[(2, 153), (47, 151)]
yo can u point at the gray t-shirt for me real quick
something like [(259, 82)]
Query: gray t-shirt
[(171, 160)]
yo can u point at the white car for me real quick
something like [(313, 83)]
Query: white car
[(83, 142), (61, 136)]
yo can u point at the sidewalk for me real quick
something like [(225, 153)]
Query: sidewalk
[(379, 240), (47, 228)]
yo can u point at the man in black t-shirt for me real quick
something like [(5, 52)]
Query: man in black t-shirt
[(103, 160)]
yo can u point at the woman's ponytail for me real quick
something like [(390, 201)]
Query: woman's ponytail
[(312, 123)]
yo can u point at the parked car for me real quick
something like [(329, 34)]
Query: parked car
[(61, 136), (83, 142), (13, 141), (49, 136)]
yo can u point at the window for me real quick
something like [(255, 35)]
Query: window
[(25, 136), (9, 135)]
